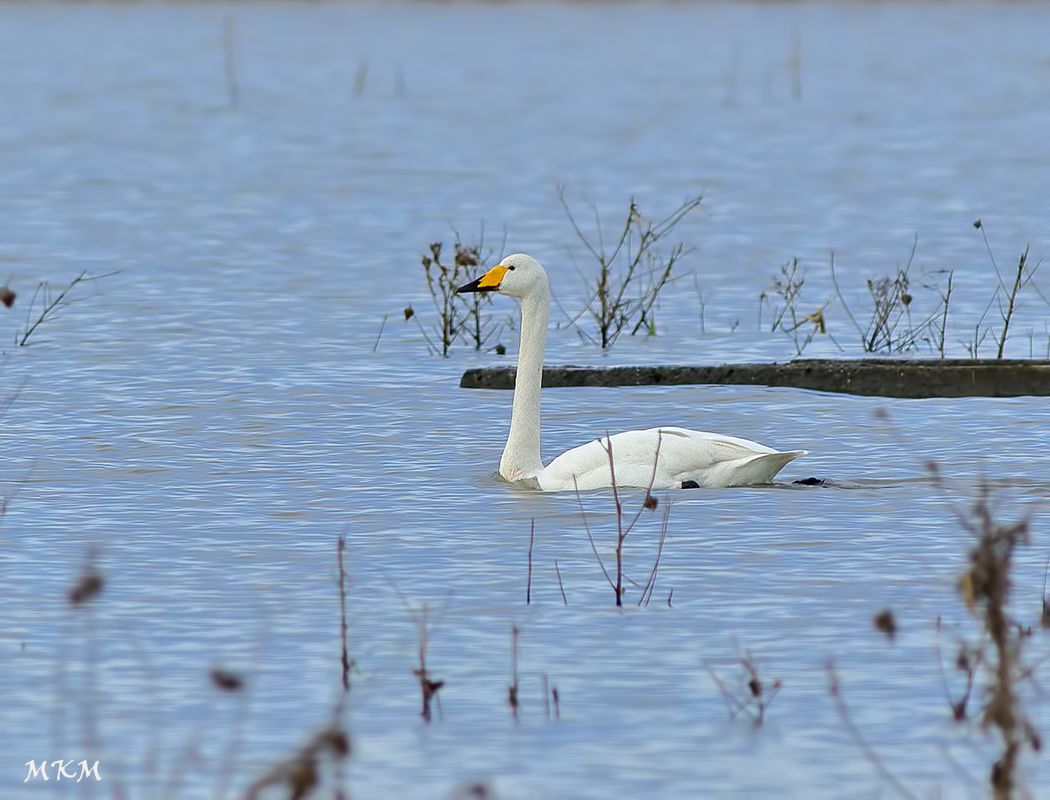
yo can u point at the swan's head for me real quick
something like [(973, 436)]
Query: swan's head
[(515, 276)]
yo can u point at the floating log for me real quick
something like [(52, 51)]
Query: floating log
[(868, 377)]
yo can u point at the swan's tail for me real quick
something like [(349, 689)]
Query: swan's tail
[(763, 468), (747, 471)]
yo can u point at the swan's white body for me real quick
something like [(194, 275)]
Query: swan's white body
[(660, 458)]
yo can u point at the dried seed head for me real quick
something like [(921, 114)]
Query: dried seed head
[(409, 313), (302, 777), (967, 590), (225, 680), (886, 623), (466, 256), (501, 350), (337, 742), (89, 585), (7, 296), (650, 502)]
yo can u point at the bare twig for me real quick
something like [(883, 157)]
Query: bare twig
[(51, 305), (1023, 277), (590, 538), (1019, 281), (945, 299), (301, 773), (427, 685), (967, 660), (647, 591), (758, 694), (622, 530), (632, 274)]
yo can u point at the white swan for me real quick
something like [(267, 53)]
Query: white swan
[(663, 458)]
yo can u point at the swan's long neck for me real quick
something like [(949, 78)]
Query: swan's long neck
[(521, 456)]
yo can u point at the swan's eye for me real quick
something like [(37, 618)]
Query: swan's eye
[(510, 266)]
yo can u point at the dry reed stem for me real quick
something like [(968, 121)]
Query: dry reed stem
[(347, 663)]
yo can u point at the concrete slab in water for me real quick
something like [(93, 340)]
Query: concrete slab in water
[(870, 377)]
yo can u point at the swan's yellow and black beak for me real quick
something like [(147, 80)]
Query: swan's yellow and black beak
[(489, 282)]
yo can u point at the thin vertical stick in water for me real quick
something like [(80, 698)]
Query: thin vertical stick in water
[(380, 336), (647, 592), (562, 588), (1045, 618), (795, 63), (232, 90), (342, 610), (359, 77), (512, 690), (528, 585), (619, 524)]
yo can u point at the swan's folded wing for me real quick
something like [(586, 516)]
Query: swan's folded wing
[(716, 446), (707, 459), (684, 455)]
